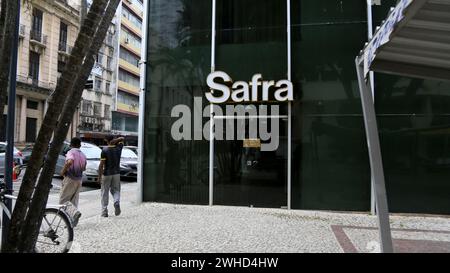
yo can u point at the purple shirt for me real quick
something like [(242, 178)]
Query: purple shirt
[(75, 171)]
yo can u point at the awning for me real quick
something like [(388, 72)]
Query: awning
[(413, 41)]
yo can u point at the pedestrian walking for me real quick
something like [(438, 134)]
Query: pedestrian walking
[(72, 172), (109, 174)]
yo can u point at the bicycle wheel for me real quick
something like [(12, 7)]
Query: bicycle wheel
[(55, 233)]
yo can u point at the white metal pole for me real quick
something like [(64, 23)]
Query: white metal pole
[(372, 86), (376, 163), (143, 69), (289, 138), (211, 118)]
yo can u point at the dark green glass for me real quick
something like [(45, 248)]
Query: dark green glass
[(330, 168), (414, 123), (251, 39), (178, 54)]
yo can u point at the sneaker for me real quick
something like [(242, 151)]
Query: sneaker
[(76, 217), (117, 209), (104, 214)]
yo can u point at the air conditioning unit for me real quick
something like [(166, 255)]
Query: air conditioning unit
[(127, 41)]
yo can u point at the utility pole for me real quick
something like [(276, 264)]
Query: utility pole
[(9, 154)]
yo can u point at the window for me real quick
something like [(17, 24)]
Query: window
[(139, 4), (34, 67), (109, 63), (131, 17), (61, 65), (127, 99), (109, 39), (86, 107), (107, 87), (62, 37), (130, 38), (107, 113), (97, 108), (32, 104), (129, 57), (36, 28), (129, 78), (98, 84), (99, 58)]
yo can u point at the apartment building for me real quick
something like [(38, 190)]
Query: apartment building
[(126, 107), (94, 116), (111, 105), (48, 29)]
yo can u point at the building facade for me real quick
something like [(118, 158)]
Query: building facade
[(47, 32), (126, 107), (321, 160), (98, 102)]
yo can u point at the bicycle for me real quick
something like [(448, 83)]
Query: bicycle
[(56, 230)]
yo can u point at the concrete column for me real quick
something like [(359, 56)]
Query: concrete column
[(23, 119)]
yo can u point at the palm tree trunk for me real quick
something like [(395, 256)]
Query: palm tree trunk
[(8, 15), (35, 213), (56, 102)]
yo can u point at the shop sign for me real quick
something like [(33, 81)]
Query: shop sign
[(256, 90)]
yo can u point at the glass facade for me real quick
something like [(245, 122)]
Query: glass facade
[(329, 166)]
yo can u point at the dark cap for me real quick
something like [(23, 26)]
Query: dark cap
[(109, 138), (75, 142)]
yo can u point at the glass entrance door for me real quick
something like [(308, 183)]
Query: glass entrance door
[(245, 174), (250, 37)]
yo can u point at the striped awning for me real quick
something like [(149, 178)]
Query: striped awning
[(413, 41)]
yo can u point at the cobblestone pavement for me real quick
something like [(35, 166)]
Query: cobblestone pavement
[(157, 227)]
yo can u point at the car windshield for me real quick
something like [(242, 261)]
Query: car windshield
[(127, 153), (91, 152)]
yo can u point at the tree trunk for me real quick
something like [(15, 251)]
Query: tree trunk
[(56, 102), (8, 15), (34, 217)]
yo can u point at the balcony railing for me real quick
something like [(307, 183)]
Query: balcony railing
[(38, 37), (35, 82)]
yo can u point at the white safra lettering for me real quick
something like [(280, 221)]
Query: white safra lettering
[(219, 87), (287, 89), (255, 84), (243, 92), (240, 90)]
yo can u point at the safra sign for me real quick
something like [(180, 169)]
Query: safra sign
[(241, 91), (261, 133)]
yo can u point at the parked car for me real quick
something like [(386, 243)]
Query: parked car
[(128, 164), (18, 157), (92, 153), (133, 148)]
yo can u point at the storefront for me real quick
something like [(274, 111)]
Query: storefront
[(320, 160)]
